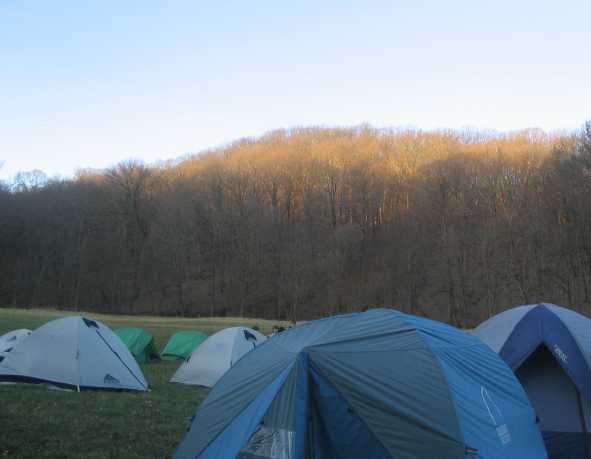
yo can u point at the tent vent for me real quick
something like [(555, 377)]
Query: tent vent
[(90, 323), (110, 379), (249, 336)]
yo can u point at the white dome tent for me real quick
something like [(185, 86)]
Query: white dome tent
[(216, 355), (76, 353), (10, 339)]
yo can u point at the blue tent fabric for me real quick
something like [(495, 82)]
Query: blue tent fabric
[(557, 402), (301, 403), (541, 326), (549, 348), (237, 433), (465, 371), (230, 396), (564, 445), (380, 382), (336, 420)]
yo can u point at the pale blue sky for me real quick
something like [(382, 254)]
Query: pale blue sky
[(87, 83)]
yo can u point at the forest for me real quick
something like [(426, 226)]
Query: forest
[(307, 222)]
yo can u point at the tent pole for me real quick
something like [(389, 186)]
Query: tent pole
[(583, 423)]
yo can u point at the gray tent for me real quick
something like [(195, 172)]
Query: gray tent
[(73, 352), (216, 355)]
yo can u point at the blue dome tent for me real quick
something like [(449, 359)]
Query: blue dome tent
[(549, 349), (379, 384)]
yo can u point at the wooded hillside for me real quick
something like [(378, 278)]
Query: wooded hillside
[(309, 222)]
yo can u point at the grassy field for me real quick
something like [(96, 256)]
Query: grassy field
[(36, 422)]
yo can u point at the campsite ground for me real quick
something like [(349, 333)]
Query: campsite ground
[(39, 423)]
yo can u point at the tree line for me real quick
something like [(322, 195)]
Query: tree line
[(302, 223)]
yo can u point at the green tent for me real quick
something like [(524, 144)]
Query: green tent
[(182, 344), (140, 343)]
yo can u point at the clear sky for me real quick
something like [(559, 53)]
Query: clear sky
[(87, 83)]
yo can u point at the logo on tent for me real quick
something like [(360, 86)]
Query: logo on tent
[(560, 354), (110, 379), (496, 416)]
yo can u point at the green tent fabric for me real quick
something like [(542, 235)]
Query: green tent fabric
[(140, 343), (182, 344)]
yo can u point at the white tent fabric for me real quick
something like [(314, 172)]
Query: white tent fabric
[(10, 339), (216, 355), (73, 352)]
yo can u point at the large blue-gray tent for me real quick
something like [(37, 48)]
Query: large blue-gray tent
[(379, 384), (549, 348)]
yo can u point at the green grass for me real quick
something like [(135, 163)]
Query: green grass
[(36, 422)]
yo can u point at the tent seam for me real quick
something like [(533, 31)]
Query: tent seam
[(316, 368), (444, 375)]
